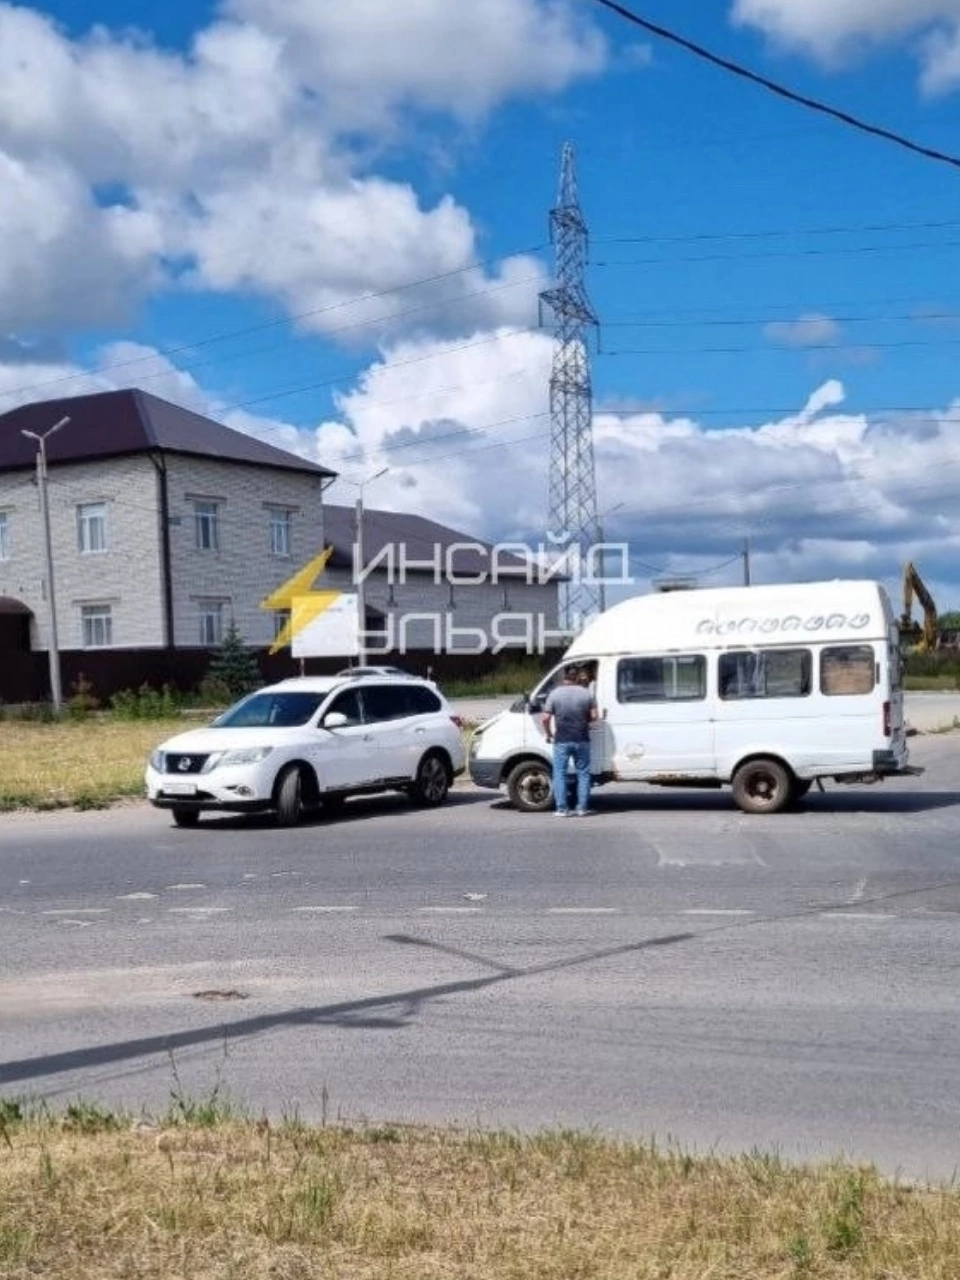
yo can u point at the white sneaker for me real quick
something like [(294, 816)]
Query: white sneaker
[(582, 813), (561, 813)]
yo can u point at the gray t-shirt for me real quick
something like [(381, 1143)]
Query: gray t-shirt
[(570, 706)]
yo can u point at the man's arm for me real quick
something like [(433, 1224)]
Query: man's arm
[(547, 717)]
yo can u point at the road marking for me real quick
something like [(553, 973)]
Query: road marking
[(325, 910), (859, 891), (23, 882), (716, 911), (860, 915), (186, 886), (134, 897), (451, 910), (195, 911), (583, 911), (78, 911)]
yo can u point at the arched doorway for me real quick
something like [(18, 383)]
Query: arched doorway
[(21, 677)]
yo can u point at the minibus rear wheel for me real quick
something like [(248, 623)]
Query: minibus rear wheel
[(762, 786)]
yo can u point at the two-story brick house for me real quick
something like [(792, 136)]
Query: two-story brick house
[(165, 528)]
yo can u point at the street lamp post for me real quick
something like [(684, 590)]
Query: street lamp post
[(56, 691), (358, 560)]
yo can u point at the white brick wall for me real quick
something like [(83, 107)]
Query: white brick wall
[(126, 576), (243, 571)]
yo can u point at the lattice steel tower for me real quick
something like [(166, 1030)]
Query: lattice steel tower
[(574, 525)]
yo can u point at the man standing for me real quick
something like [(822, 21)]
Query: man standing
[(567, 715)]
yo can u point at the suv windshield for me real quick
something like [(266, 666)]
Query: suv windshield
[(284, 710)]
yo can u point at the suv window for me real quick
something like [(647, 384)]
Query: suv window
[(385, 702), (348, 704), (421, 701), (282, 709)]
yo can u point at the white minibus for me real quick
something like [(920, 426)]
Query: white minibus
[(766, 689)]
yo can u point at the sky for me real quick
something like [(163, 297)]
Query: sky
[(327, 225)]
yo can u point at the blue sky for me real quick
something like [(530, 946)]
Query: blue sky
[(746, 255)]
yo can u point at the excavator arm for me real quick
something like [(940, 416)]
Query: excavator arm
[(913, 585)]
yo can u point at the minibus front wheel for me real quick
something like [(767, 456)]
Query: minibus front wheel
[(762, 786), (530, 787)]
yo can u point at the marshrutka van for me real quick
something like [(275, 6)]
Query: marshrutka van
[(767, 689)]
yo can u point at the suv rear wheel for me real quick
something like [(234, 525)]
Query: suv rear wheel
[(432, 783)]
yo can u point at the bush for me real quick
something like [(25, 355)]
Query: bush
[(82, 700), (146, 703)]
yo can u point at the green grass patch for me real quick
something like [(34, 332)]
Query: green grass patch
[(86, 764)]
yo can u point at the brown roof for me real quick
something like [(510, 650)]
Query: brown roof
[(420, 539), (112, 424)]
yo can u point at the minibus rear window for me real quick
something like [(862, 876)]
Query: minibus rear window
[(847, 669), (676, 678), (765, 673)]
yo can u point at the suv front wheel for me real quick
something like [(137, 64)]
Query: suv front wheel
[(289, 797), (432, 781)]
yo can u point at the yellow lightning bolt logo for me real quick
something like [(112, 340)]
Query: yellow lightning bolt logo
[(298, 597)]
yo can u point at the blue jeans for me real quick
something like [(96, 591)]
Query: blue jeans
[(563, 752)]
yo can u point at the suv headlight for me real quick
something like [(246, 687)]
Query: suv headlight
[(242, 755), (158, 761)]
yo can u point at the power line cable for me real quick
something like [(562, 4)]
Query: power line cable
[(225, 335), (839, 252), (780, 233), (780, 90)]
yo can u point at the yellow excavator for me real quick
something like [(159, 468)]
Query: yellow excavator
[(921, 639)]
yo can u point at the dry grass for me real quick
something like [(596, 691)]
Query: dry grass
[(85, 764), (85, 1198)]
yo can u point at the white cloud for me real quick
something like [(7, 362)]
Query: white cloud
[(243, 162), (368, 58), (834, 31), (464, 429), (807, 331)]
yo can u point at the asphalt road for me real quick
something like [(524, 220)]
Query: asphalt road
[(667, 967)]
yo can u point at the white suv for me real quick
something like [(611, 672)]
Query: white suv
[(311, 742)]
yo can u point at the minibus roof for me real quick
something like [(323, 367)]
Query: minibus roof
[(785, 614)]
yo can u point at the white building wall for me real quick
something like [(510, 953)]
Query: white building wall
[(126, 576), (242, 570)]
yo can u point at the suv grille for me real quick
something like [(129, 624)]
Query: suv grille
[(184, 763)]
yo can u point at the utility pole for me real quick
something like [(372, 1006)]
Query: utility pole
[(573, 482), (56, 691), (746, 562), (360, 565)]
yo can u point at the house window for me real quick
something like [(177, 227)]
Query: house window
[(4, 536), (281, 532), (96, 624), (92, 528), (280, 619), (211, 622), (206, 517)]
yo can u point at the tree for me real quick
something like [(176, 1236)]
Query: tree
[(235, 666), (949, 621)]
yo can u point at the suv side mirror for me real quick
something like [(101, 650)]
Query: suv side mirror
[(335, 720)]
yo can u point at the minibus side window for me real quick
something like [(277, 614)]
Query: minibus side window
[(676, 678), (846, 669), (765, 673)]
